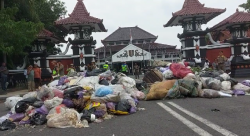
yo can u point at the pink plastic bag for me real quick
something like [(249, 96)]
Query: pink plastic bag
[(179, 70), (58, 93), (140, 95)]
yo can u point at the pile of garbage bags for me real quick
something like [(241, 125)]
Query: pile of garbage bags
[(177, 81), (74, 101)]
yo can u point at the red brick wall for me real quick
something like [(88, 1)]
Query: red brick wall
[(212, 54)]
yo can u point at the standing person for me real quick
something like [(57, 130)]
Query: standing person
[(31, 83), (106, 66), (54, 71), (4, 74), (228, 66), (71, 70), (37, 76), (214, 64), (221, 59), (125, 68), (136, 71), (60, 68)]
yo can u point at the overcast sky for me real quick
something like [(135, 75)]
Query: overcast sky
[(149, 15)]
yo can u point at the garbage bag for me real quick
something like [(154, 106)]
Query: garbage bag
[(179, 70), (238, 92), (127, 81), (114, 81), (38, 119), (30, 94), (123, 105), (225, 76), (209, 93), (104, 82), (3, 118), (71, 93), (69, 118), (213, 84), (23, 105), (42, 110), (88, 115), (58, 93), (16, 117), (53, 102), (219, 78), (140, 95), (53, 83), (45, 93), (242, 87), (10, 102), (38, 104), (107, 98), (159, 90), (246, 83), (68, 103), (107, 73), (62, 80), (103, 91), (233, 81), (7, 125), (168, 74), (226, 85)]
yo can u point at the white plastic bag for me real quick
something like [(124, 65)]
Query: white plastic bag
[(53, 83), (127, 81), (30, 94), (10, 102), (167, 74), (242, 87), (225, 76), (226, 85), (53, 102)]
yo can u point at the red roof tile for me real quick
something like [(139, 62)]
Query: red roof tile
[(80, 15), (193, 8), (46, 34), (236, 18)]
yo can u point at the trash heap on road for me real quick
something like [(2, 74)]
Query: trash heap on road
[(74, 101), (177, 80)]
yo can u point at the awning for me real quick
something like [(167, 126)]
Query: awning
[(131, 53)]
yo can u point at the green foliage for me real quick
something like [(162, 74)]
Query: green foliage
[(246, 5), (198, 69), (15, 35)]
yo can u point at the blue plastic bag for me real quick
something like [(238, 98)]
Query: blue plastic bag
[(103, 91)]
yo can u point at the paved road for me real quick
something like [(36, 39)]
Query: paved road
[(164, 118)]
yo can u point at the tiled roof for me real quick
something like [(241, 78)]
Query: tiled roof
[(80, 15), (153, 46), (193, 8), (237, 18), (123, 34), (226, 35), (49, 35)]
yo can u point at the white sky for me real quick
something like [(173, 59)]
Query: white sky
[(149, 15)]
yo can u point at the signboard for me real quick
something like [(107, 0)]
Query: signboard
[(131, 53)]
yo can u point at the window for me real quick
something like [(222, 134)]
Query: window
[(133, 42), (118, 43), (167, 56), (125, 43), (159, 56), (111, 43), (140, 41), (148, 41)]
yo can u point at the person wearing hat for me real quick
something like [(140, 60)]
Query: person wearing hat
[(71, 69), (106, 66)]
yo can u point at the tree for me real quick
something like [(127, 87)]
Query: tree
[(246, 5), (16, 35)]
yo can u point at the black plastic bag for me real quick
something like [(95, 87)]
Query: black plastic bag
[(233, 81), (71, 93), (123, 105), (38, 119), (141, 85), (7, 125), (114, 81), (104, 82), (38, 104), (86, 114), (219, 78), (22, 105)]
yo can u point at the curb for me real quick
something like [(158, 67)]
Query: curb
[(6, 96)]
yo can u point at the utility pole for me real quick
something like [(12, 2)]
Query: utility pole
[(4, 54)]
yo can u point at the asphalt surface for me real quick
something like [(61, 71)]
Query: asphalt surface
[(232, 115)]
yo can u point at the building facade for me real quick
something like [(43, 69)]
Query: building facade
[(140, 38)]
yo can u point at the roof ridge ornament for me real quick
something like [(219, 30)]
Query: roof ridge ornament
[(237, 10)]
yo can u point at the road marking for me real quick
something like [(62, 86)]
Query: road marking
[(204, 121), (188, 123)]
